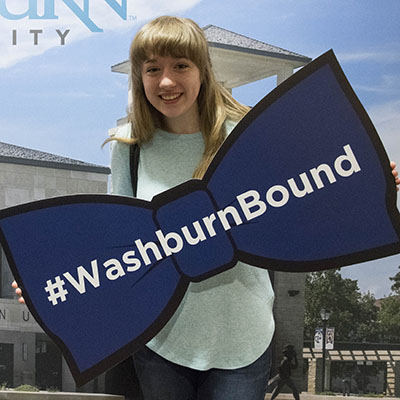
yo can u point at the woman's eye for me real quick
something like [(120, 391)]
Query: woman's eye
[(152, 70), (182, 66)]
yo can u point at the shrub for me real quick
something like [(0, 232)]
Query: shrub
[(26, 388), (53, 389)]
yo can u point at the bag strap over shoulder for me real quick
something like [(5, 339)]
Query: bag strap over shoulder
[(134, 152)]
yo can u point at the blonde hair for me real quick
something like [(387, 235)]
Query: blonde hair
[(180, 38)]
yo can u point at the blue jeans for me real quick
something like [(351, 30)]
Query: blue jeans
[(163, 380)]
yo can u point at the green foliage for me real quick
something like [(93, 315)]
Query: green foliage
[(52, 389), (26, 388), (396, 285), (3, 386), (389, 319), (353, 315)]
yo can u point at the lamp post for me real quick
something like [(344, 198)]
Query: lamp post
[(325, 314)]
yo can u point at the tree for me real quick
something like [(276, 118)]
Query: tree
[(353, 315), (396, 285), (389, 313), (389, 319)]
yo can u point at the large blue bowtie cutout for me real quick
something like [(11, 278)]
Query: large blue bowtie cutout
[(302, 183)]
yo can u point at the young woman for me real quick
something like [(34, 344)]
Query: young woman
[(215, 347), (216, 344)]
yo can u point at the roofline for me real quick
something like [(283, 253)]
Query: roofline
[(289, 57), (118, 65), (298, 58), (55, 165)]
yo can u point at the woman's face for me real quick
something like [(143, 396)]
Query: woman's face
[(172, 86)]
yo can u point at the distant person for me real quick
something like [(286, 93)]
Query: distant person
[(346, 385), (283, 377)]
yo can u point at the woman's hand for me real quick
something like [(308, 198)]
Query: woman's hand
[(395, 174), (18, 291)]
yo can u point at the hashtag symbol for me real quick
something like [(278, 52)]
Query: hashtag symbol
[(56, 290)]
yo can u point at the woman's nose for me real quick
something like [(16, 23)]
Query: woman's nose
[(167, 80)]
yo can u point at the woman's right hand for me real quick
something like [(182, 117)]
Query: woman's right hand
[(18, 291)]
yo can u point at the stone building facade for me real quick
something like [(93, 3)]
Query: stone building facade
[(27, 356)]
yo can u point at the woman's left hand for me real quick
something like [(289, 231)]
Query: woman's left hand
[(395, 174)]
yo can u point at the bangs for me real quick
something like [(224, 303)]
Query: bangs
[(176, 39), (176, 47)]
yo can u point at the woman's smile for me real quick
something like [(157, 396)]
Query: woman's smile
[(170, 97)]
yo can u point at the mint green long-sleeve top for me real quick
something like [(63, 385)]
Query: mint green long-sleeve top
[(225, 321)]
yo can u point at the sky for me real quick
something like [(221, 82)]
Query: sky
[(63, 98)]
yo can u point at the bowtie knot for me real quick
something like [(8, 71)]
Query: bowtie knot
[(199, 248)]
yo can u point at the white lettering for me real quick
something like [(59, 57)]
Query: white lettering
[(93, 278), (224, 221), (172, 242), (306, 184), (208, 222), (168, 250), (261, 207), (354, 167), (114, 269), (189, 238), (328, 172), (128, 259), (143, 248), (284, 196)]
